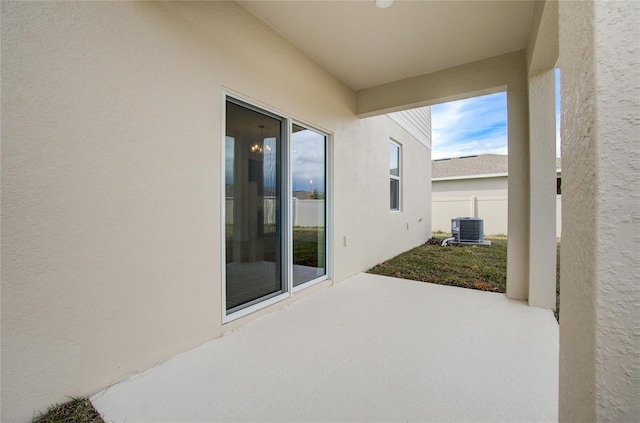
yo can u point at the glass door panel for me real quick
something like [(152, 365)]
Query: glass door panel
[(253, 192), (308, 169)]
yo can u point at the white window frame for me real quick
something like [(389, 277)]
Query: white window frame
[(397, 178), (327, 216), (287, 239)]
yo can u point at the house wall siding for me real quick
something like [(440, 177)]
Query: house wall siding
[(417, 122), (111, 183)]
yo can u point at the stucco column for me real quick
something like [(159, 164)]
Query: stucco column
[(518, 186), (598, 269), (542, 190)]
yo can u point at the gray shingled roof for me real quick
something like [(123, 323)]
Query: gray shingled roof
[(483, 164)]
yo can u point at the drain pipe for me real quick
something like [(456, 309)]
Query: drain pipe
[(446, 241)]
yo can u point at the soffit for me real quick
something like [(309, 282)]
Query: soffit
[(364, 46)]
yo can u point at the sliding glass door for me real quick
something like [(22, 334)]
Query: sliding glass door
[(253, 196), (275, 207), (308, 169)]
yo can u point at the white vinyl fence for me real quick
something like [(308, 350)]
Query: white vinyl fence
[(492, 210), (309, 213)]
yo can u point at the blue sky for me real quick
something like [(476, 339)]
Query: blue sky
[(467, 127), (476, 126)]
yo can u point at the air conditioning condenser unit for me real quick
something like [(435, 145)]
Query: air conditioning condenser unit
[(467, 229)]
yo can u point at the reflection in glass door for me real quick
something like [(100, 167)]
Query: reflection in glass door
[(253, 181), (308, 170), (275, 218)]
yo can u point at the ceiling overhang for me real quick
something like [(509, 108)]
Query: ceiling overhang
[(364, 46)]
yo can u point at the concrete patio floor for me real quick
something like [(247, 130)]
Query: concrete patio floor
[(371, 348)]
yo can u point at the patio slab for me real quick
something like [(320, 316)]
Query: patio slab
[(371, 348)]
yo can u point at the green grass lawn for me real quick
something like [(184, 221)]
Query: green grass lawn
[(466, 266), (308, 246)]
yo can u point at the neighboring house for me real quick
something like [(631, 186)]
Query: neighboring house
[(124, 123), (476, 186)]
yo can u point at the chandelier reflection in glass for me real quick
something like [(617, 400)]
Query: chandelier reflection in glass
[(257, 148)]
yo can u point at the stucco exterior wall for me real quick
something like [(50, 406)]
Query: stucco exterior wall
[(111, 182), (599, 283), (542, 189)]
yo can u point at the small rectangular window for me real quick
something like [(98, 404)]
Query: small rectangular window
[(395, 163)]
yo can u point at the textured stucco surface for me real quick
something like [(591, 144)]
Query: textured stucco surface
[(111, 190), (599, 284), (543, 47), (617, 355), (579, 241), (370, 349), (542, 190)]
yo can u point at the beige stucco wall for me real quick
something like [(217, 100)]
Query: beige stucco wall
[(599, 313), (111, 182), (542, 189)]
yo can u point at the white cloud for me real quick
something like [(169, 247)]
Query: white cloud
[(476, 126), (472, 126)]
